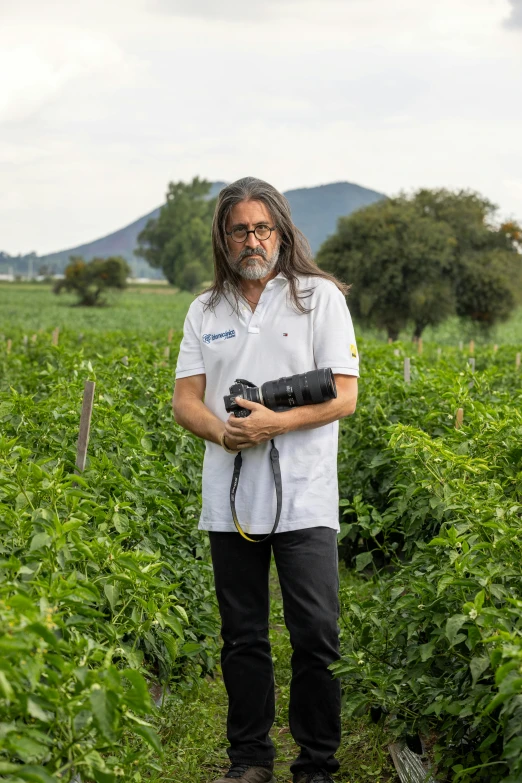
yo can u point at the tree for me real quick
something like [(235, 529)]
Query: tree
[(178, 241), (487, 267), (89, 280), (397, 261), (416, 260)]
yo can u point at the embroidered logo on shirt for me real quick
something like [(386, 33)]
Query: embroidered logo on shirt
[(285, 334), (353, 350), (209, 338)]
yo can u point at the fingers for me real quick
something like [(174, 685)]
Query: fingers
[(236, 435), (234, 425), (248, 404), (237, 443)]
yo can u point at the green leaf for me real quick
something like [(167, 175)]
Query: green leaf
[(113, 593), (6, 767), (146, 444), (362, 560), (35, 774), (453, 626), (344, 530), (150, 737), (26, 748), (43, 632), (40, 540), (426, 651), (138, 696), (478, 666), (479, 600), (6, 687), (120, 522), (182, 613), (173, 623), (101, 776), (395, 592), (104, 712), (37, 712)]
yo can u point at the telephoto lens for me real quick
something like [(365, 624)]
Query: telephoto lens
[(308, 388)]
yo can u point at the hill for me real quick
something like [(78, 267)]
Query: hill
[(315, 211)]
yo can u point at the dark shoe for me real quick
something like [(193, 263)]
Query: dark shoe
[(244, 773), (320, 776)]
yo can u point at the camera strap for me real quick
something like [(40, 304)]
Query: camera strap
[(276, 469)]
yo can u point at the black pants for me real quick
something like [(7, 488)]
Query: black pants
[(307, 564)]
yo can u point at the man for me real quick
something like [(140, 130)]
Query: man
[(270, 312)]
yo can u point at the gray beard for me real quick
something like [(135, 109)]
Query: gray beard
[(255, 269)]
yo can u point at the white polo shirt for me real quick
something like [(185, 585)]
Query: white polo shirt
[(264, 345)]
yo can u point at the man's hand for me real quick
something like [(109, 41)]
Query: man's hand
[(262, 425)]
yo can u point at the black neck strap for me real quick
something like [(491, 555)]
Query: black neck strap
[(276, 469)]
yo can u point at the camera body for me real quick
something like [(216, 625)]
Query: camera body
[(305, 389), (245, 389)]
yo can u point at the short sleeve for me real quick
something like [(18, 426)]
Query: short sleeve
[(190, 357), (334, 336)]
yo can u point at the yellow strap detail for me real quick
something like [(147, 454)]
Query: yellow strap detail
[(241, 531)]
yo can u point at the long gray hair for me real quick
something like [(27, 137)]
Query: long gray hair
[(295, 255)]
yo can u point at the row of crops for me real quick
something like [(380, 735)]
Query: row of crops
[(106, 584), (433, 518)]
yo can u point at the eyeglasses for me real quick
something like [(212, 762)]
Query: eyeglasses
[(260, 232)]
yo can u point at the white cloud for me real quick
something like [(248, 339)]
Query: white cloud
[(515, 18), (106, 102)]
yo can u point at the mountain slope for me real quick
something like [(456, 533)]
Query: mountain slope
[(314, 210)]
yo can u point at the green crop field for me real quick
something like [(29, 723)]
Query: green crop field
[(141, 309), (106, 590)]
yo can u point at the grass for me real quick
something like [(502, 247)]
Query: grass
[(193, 724), (140, 309), (147, 308)]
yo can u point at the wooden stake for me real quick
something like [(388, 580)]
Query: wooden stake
[(390, 340), (85, 425), (407, 369), (439, 353), (495, 348), (26, 339), (419, 345), (461, 345), (171, 335), (459, 418), (9, 345), (472, 347), (472, 364), (56, 334), (166, 352), (409, 765), (517, 361), (33, 338)]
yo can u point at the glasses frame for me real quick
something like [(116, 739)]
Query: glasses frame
[(250, 231)]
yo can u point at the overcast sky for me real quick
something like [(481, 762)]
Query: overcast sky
[(103, 102)]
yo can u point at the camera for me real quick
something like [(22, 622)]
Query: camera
[(309, 388)]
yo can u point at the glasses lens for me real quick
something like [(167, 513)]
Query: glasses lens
[(239, 234), (263, 232)]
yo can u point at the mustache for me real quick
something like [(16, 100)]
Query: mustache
[(251, 251)]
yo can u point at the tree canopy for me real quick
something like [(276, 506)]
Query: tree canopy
[(178, 241), (89, 280), (417, 260)]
